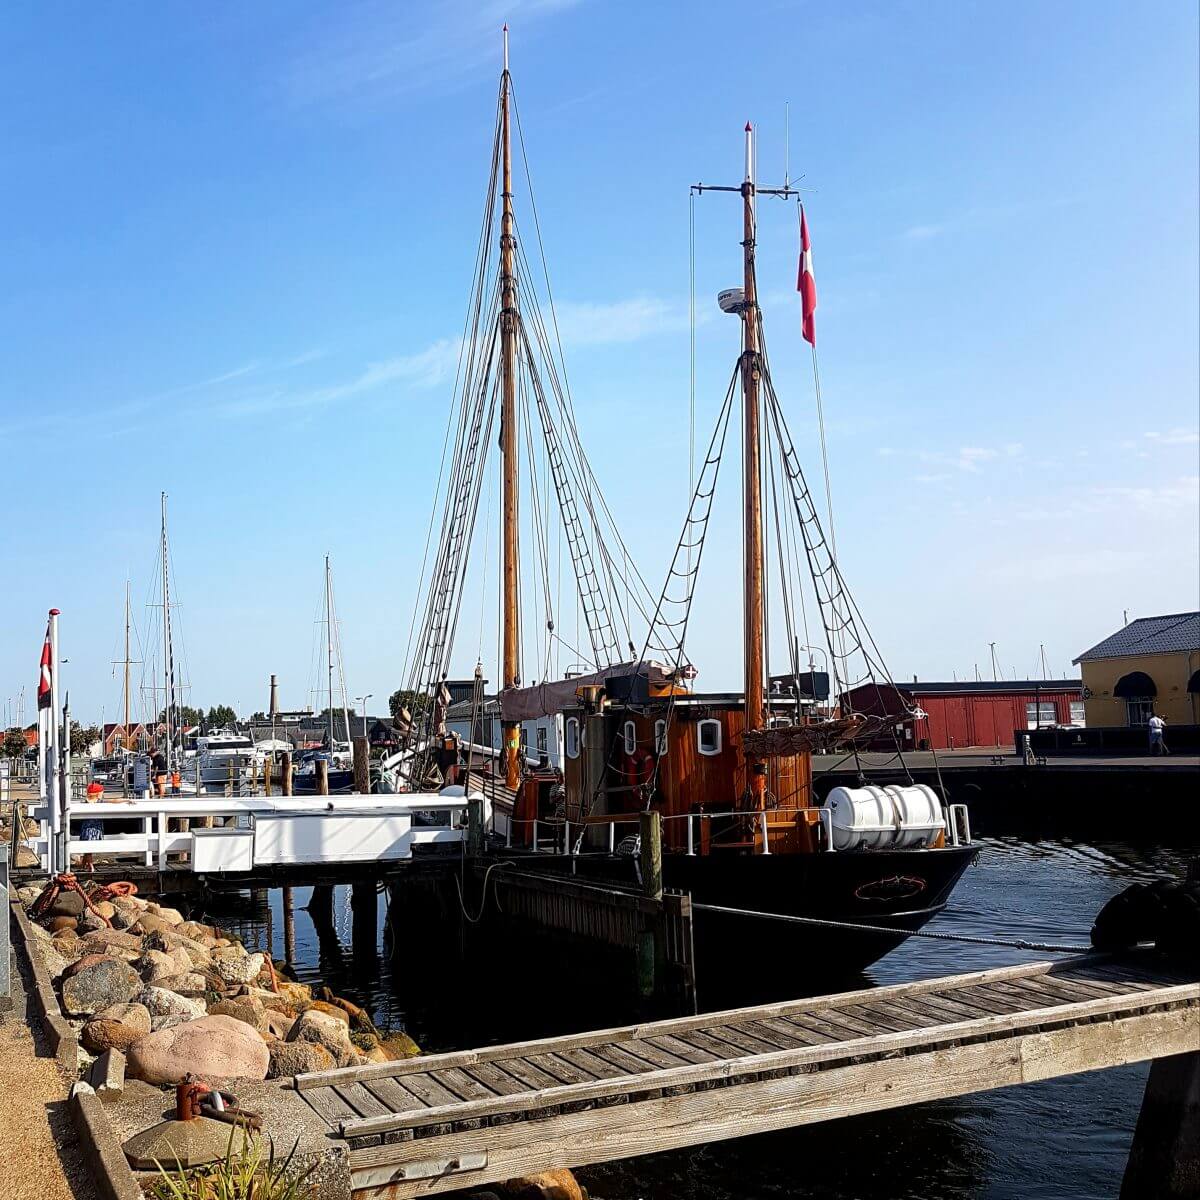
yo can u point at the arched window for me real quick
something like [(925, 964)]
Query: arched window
[(1138, 690), (572, 737), (660, 738), (708, 736), (629, 736)]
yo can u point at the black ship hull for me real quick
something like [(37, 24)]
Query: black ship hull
[(898, 890)]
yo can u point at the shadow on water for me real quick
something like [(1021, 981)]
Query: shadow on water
[(451, 984)]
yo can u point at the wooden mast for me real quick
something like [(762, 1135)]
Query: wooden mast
[(752, 598), (510, 654)]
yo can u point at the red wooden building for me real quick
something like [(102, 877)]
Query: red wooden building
[(954, 715)]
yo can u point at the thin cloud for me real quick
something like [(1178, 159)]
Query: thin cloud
[(374, 52), (603, 324), (922, 233)]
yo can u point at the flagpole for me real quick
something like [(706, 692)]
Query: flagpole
[(53, 798)]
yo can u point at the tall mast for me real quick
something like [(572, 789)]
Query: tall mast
[(329, 644), (752, 594), (510, 661), (127, 662), (167, 664)]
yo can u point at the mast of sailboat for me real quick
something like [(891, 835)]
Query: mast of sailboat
[(168, 673), (329, 644), (510, 660), (752, 587), (127, 662)]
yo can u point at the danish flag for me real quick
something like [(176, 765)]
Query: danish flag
[(44, 680), (806, 285)]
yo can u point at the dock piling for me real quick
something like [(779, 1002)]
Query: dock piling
[(362, 766), (285, 773), (322, 769)]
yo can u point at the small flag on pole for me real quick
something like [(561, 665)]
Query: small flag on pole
[(44, 680), (806, 285)]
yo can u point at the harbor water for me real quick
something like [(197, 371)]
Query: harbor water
[(1064, 1139)]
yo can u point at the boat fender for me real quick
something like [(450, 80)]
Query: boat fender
[(638, 767)]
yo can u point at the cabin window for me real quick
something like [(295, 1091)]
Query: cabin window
[(572, 737), (660, 738), (708, 736), (541, 739), (1078, 714), (629, 735)]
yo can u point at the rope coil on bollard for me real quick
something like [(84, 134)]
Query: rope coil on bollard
[(1014, 943)]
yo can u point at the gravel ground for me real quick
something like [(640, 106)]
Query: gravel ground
[(38, 1149)]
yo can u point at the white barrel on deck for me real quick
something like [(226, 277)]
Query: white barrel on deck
[(885, 818)]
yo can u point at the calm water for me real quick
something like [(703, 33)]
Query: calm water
[(1061, 1140)]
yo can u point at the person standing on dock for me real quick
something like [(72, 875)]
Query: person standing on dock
[(1157, 727)]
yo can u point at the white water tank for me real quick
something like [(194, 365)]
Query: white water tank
[(885, 818)]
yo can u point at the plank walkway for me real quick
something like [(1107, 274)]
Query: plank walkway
[(447, 1121)]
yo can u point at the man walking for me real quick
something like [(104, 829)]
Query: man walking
[(1157, 726)]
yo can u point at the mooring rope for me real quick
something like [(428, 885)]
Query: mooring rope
[(1015, 943)]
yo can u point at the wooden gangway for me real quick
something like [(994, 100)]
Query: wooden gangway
[(448, 1121)]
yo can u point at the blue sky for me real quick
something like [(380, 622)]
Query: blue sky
[(238, 241)]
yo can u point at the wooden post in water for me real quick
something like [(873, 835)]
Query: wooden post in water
[(267, 774), (475, 830), (1164, 1160), (650, 827), (362, 766), (364, 921), (289, 927), (285, 773), (322, 777), (652, 941)]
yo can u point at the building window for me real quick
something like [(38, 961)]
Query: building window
[(629, 737), (1040, 715), (572, 737), (1078, 714), (660, 738), (708, 736), (1139, 710), (541, 739)]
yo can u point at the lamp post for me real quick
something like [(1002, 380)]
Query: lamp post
[(363, 701)]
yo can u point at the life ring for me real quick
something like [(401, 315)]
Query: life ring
[(638, 767)]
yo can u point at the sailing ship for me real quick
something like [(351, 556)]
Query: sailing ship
[(730, 774)]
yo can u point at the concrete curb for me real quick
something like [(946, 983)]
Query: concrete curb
[(62, 1037), (109, 1169)]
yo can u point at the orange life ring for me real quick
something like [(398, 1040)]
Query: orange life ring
[(638, 768)]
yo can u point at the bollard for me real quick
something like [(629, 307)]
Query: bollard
[(322, 777), (285, 773)]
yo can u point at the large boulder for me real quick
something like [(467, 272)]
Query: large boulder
[(83, 962), (399, 1045), (136, 1016), (95, 987), (168, 942), (324, 1030), (244, 1008), (217, 1047), (99, 941), (99, 1035), (67, 943), (153, 965), (68, 903), (197, 931), (298, 1058), (234, 965), (330, 1010), (276, 1023), (58, 924), (161, 1002), (186, 983)]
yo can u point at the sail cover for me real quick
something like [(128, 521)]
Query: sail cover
[(553, 695)]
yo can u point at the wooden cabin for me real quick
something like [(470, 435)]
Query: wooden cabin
[(682, 755)]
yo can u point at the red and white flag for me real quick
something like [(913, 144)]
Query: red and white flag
[(44, 679), (806, 285)]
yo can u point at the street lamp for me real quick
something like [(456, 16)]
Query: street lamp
[(363, 701)]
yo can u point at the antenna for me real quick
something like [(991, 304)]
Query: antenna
[(787, 143), (505, 31)]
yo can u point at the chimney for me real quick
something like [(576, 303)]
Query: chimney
[(274, 709)]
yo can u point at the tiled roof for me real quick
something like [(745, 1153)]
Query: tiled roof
[(1150, 635)]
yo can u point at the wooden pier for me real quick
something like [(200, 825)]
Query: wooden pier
[(465, 1119)]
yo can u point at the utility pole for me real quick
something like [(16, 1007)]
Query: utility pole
[(510, 654)]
